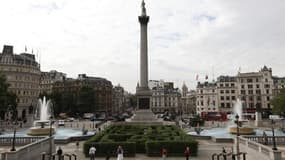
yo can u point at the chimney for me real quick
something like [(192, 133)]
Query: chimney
[(7, 49)]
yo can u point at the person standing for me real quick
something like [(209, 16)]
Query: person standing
[(224, 153), (120, 153), (59, 153), (187, 153), (92, 151), (164, 153)]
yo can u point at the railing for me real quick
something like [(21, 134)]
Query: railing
[(266, 139), (253, 143), (19, 141)]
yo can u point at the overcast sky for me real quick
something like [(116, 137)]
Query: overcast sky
[(186, 37)]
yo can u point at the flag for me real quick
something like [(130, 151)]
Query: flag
[(197, 77), (25, 48), (206, 77), (239, 69)]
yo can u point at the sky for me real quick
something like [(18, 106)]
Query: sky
[(186, 38)]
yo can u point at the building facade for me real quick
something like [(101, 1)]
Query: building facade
[(165, 97), (227, 93), (23, 74), (48, 79), (102, 87), (188, 100), (207, 97), (118, 100)]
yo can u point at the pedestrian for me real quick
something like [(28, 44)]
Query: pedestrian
[(120, 153), (59, 153), (108, 155), (77, 145), (164, 153), (92, 151), (187, 153), (224, 153)]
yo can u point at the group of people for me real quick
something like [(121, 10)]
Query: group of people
[(120, 153), (186, 153)]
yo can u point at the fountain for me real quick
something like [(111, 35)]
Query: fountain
[(43, 126), (243, 130)]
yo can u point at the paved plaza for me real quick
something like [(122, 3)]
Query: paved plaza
[(206, 149)]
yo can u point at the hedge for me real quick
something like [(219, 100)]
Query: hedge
[(142, 139)]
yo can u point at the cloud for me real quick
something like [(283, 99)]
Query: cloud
[(186, 37)]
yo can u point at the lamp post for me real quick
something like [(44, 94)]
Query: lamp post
[(50, 140), (273, 138), (237, 137)]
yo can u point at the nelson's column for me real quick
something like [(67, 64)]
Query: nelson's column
[(143, 92)]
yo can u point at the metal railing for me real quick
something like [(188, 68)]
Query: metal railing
[(19, 141)]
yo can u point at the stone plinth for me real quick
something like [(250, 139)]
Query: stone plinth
[(144, 116), (36, 131)]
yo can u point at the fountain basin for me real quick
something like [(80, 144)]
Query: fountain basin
[(242, 130), (37, 131)]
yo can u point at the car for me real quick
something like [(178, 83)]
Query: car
[(60, 122)]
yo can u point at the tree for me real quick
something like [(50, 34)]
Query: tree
[(7, 98), (278, 103)]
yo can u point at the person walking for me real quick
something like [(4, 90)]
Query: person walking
[(187, 153), (120, 153), (59, 153), (92, 151), (224, 153), (77, 145), (164, 153)]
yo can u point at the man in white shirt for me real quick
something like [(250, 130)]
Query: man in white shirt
[(92, 151)]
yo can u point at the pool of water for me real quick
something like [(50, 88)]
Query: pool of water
[(223, 133), (61, 133)]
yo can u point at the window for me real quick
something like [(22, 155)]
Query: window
[(267, 91), (249, 86), (250, 91), (214, 103), (241, 80), (233, 91), (266, 80), (223, 105), (258, 92), (266, 86), (227, 91), (221, 91), (228, 105), (233, 98), (227, 97), (242, 86), (251, 105), (250, 98), (258, 98), (257, 86), (227, 85), (232, 84), (242, 92), (257, 80), (268, 98), (249, 80), (222, 97), (221, 85)]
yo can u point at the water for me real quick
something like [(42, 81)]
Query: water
[(44, 111), (223, 133), (61, 133)]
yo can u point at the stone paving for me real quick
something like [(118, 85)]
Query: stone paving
[(206, 149)]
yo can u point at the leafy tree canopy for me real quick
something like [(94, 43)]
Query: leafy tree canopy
[(278, 103)]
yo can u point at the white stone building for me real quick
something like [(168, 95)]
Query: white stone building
[(207, 97), (164, 97)]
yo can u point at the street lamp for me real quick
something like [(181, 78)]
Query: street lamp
[(237, 146), (14, 123), (273, 138), (50, 135)]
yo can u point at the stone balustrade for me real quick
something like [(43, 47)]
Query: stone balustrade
[(19, 141)]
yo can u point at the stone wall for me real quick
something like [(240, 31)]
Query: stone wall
[(31, 151)]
